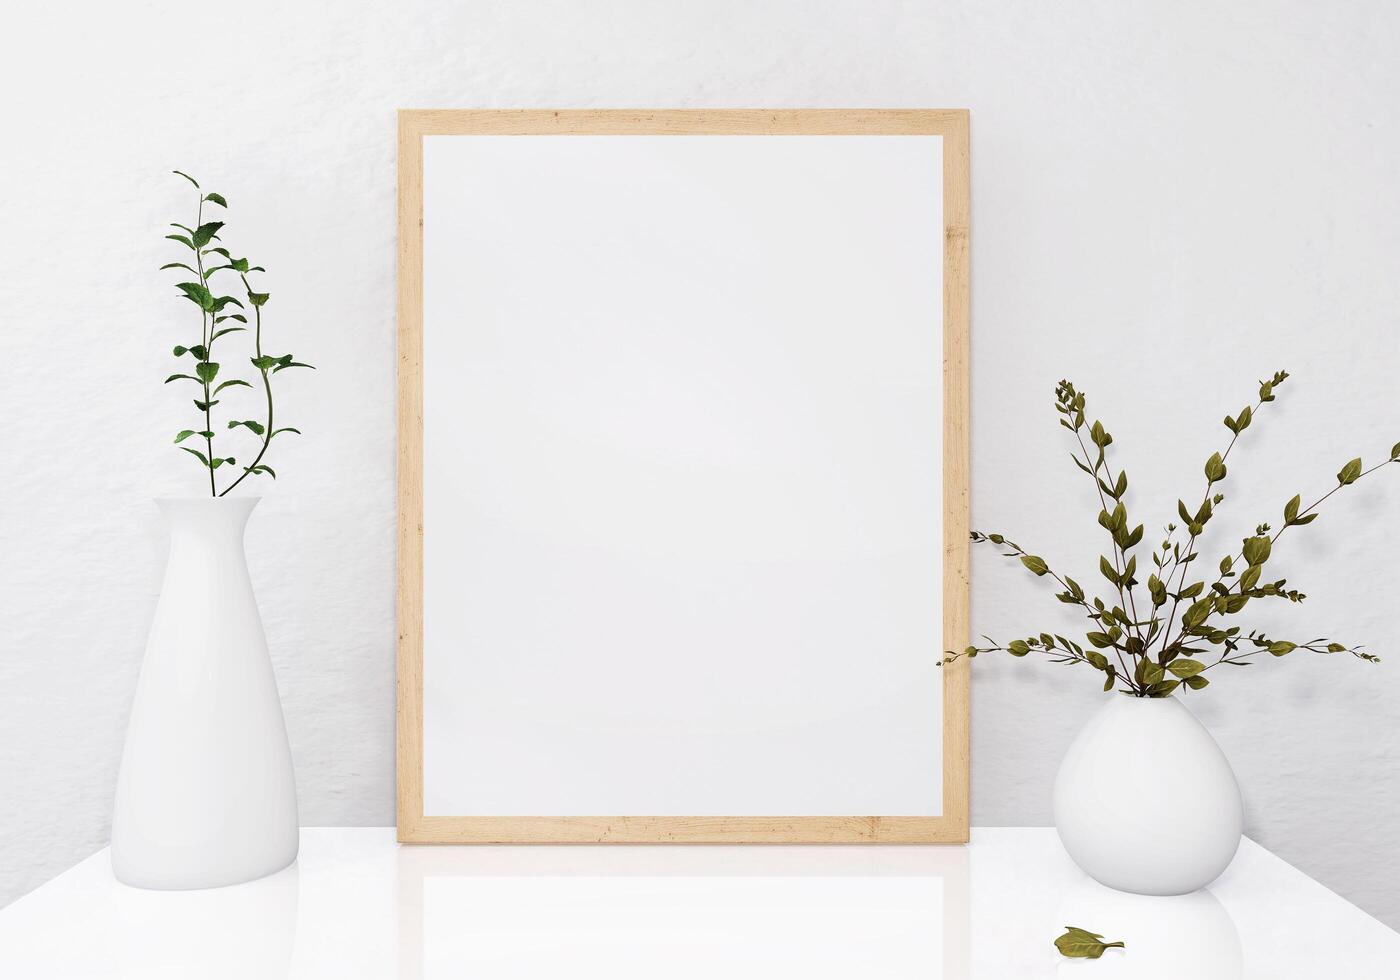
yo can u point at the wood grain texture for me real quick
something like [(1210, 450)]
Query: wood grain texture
[(409, 703), (680, 830), (957, 472), (952, 825), (680, 122)]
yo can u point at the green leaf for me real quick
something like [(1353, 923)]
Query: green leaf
[(195, 452), (198, 294), (1100, 640), (284, 429), (184, 434), (1162, 689), (1349, 472), (231, 383), (264, 363), (1215, 468), (1395, 451), (256, 427), (218, 199), (1096, 659), (1152, 673), (1290, 509), (1192, 590), (1079, 943), (205, 233), (264, 468), (1196, 683), (1230, 604), (182, 240), (258, 299), (1186, 668), (1018, 648), (1034, 563), (1158, 590), (1257, 549), (187, 377), (205, 406), (178, 265), (1281, 647), (186, 176), (283, 364), (206, 370), (1106, 568), (219, 333)]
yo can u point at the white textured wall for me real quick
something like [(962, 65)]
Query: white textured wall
[(1170, 200)]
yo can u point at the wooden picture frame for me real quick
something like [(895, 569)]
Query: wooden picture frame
[(951, 825)]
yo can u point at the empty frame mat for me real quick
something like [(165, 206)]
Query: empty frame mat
[(683, 479)]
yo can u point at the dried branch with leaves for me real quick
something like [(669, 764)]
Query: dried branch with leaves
[(1144, 648)]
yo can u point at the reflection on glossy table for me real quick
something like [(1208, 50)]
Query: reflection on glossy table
[(357, 904)]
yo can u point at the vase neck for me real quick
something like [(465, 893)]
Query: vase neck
[(1136, 705), (207, 518)]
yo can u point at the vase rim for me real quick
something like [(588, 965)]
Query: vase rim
[(207, 505), (206, 498)]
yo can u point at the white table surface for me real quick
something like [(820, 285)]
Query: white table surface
[(356, 904)]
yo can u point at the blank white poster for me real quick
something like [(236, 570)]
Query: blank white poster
[(683, 487)]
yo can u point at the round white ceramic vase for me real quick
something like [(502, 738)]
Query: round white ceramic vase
[(1145, 801), (206, 795)]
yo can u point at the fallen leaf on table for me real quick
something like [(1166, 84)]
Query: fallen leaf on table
[(1083, 944)]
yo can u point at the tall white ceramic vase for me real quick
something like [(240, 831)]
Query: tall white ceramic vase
[(1145, 801), (206, 795)]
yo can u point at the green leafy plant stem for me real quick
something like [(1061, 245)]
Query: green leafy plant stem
[(1320, 500), (1075, 594), (1172, 648), (1262, 645), (204, 321), (1278, 534), (1180, 565), (1120, 555), (267, 388)]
